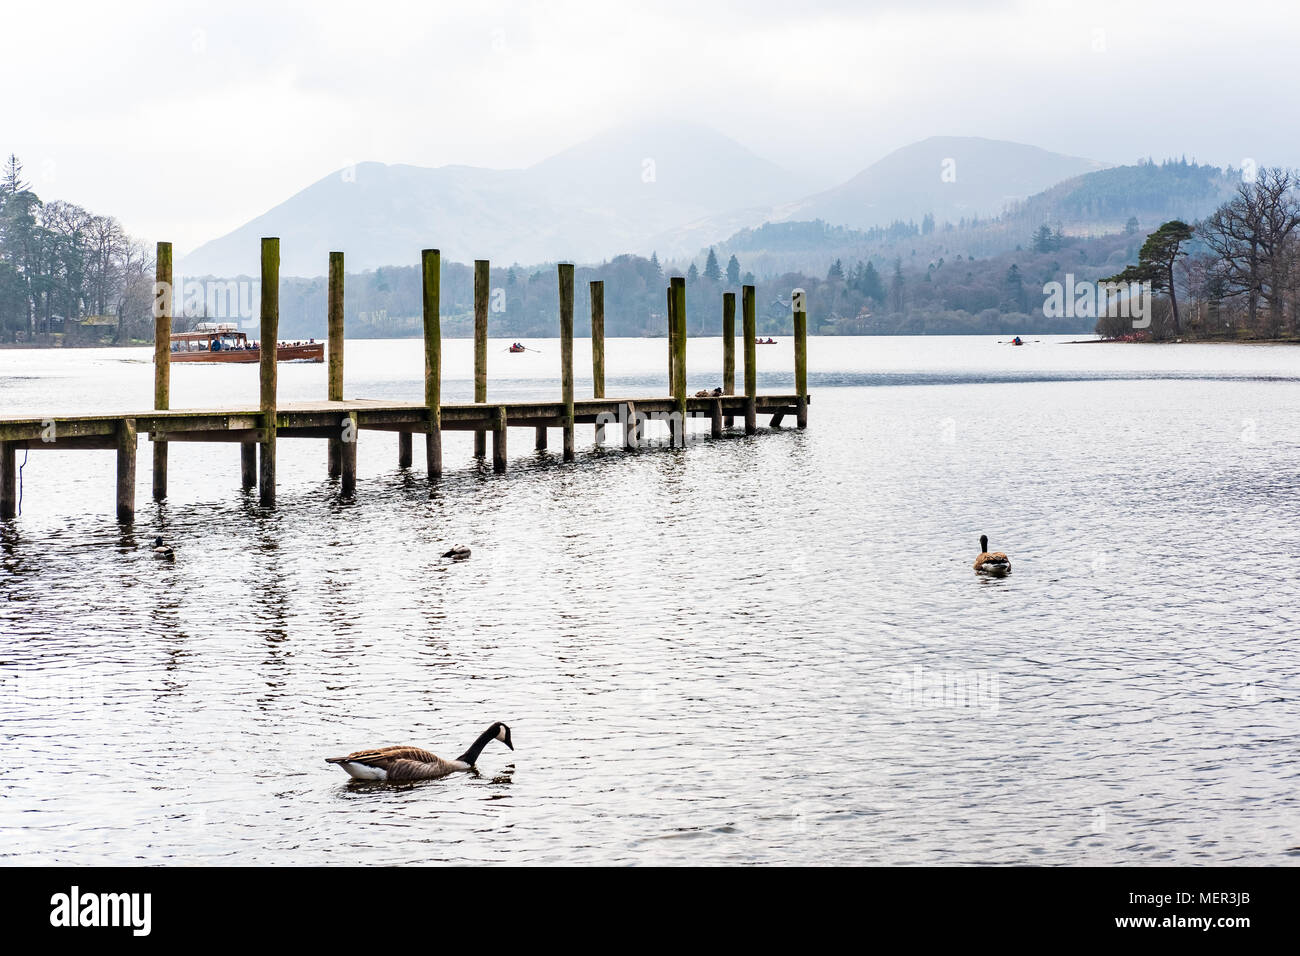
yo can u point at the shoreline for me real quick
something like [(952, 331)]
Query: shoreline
[(1187, 342)]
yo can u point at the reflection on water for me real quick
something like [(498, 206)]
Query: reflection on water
[(765, 649)]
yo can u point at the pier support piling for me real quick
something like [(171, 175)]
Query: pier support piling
[(728, 348), (749, 330), (270, 339), (499, 441), (482, 292), (248, 464), (430, 262), (403, 449), (715, 418), (597, 290), (8, 480), (162, 354), (630, 431), (565, 270), (541, 438), (334, 331), (351, 431), (126, 470)]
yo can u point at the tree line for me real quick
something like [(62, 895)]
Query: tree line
[(1235, 274), (61, 264)]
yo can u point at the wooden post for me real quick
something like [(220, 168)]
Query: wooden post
[(672, 337), (728, 347), (801, 356), (162, 357), (348, 452), (679, 359), (749, 328), (403, 449), (126, 470), (499, 441), (8, 480), (248, 464), (597, 290), (270, 341), (541, 438), (566, 353), (430, 262), (630, 431), (481, 295), (334, 329), (715, 418)]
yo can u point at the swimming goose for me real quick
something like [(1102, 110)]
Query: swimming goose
[(402, 764), (162, 551), (458, 553), (991, 562)]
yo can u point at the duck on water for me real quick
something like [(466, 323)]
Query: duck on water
[(403, 764)]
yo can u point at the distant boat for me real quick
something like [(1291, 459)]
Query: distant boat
[(211, 342), (765, 341), (517, 348)]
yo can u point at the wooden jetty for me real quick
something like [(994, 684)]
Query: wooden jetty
[(257, 427)]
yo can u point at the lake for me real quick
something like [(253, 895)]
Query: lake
[(752, 650)]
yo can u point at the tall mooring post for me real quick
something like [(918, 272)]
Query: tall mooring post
[(162, 357), (431, 266), (749, 323), (334, 332), (566, 353), (270, 339), (679, 361), (482, 293), (596, 289), (728, 347), (799, 305)]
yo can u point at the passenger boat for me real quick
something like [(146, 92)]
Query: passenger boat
[(765, 341), (224, 342)]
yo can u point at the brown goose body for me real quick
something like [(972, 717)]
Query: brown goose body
[(991, 562), (397, 764), (405, 764)]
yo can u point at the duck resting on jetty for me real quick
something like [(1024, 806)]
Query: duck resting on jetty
[(403, 764), (705, 393), (994, 563)]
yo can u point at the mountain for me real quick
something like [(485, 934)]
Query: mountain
[(952, 177), (1094, 204), (949, 177), (610, 194)]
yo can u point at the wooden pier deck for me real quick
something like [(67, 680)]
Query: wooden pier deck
[(256, 427)]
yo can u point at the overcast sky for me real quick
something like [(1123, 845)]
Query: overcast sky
[(185, 120)]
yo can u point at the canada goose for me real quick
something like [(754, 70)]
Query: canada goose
[(458, 553), (402, 764), (995, 563), (162, 551)]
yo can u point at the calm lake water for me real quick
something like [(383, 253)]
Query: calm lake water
[(767, 649)]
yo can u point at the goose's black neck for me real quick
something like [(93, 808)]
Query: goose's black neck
[(471, 756), (984, 542)]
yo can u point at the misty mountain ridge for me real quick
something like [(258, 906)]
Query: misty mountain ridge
[(670, 187), (607, 195)]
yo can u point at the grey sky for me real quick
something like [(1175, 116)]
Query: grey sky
[(186, 120)]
